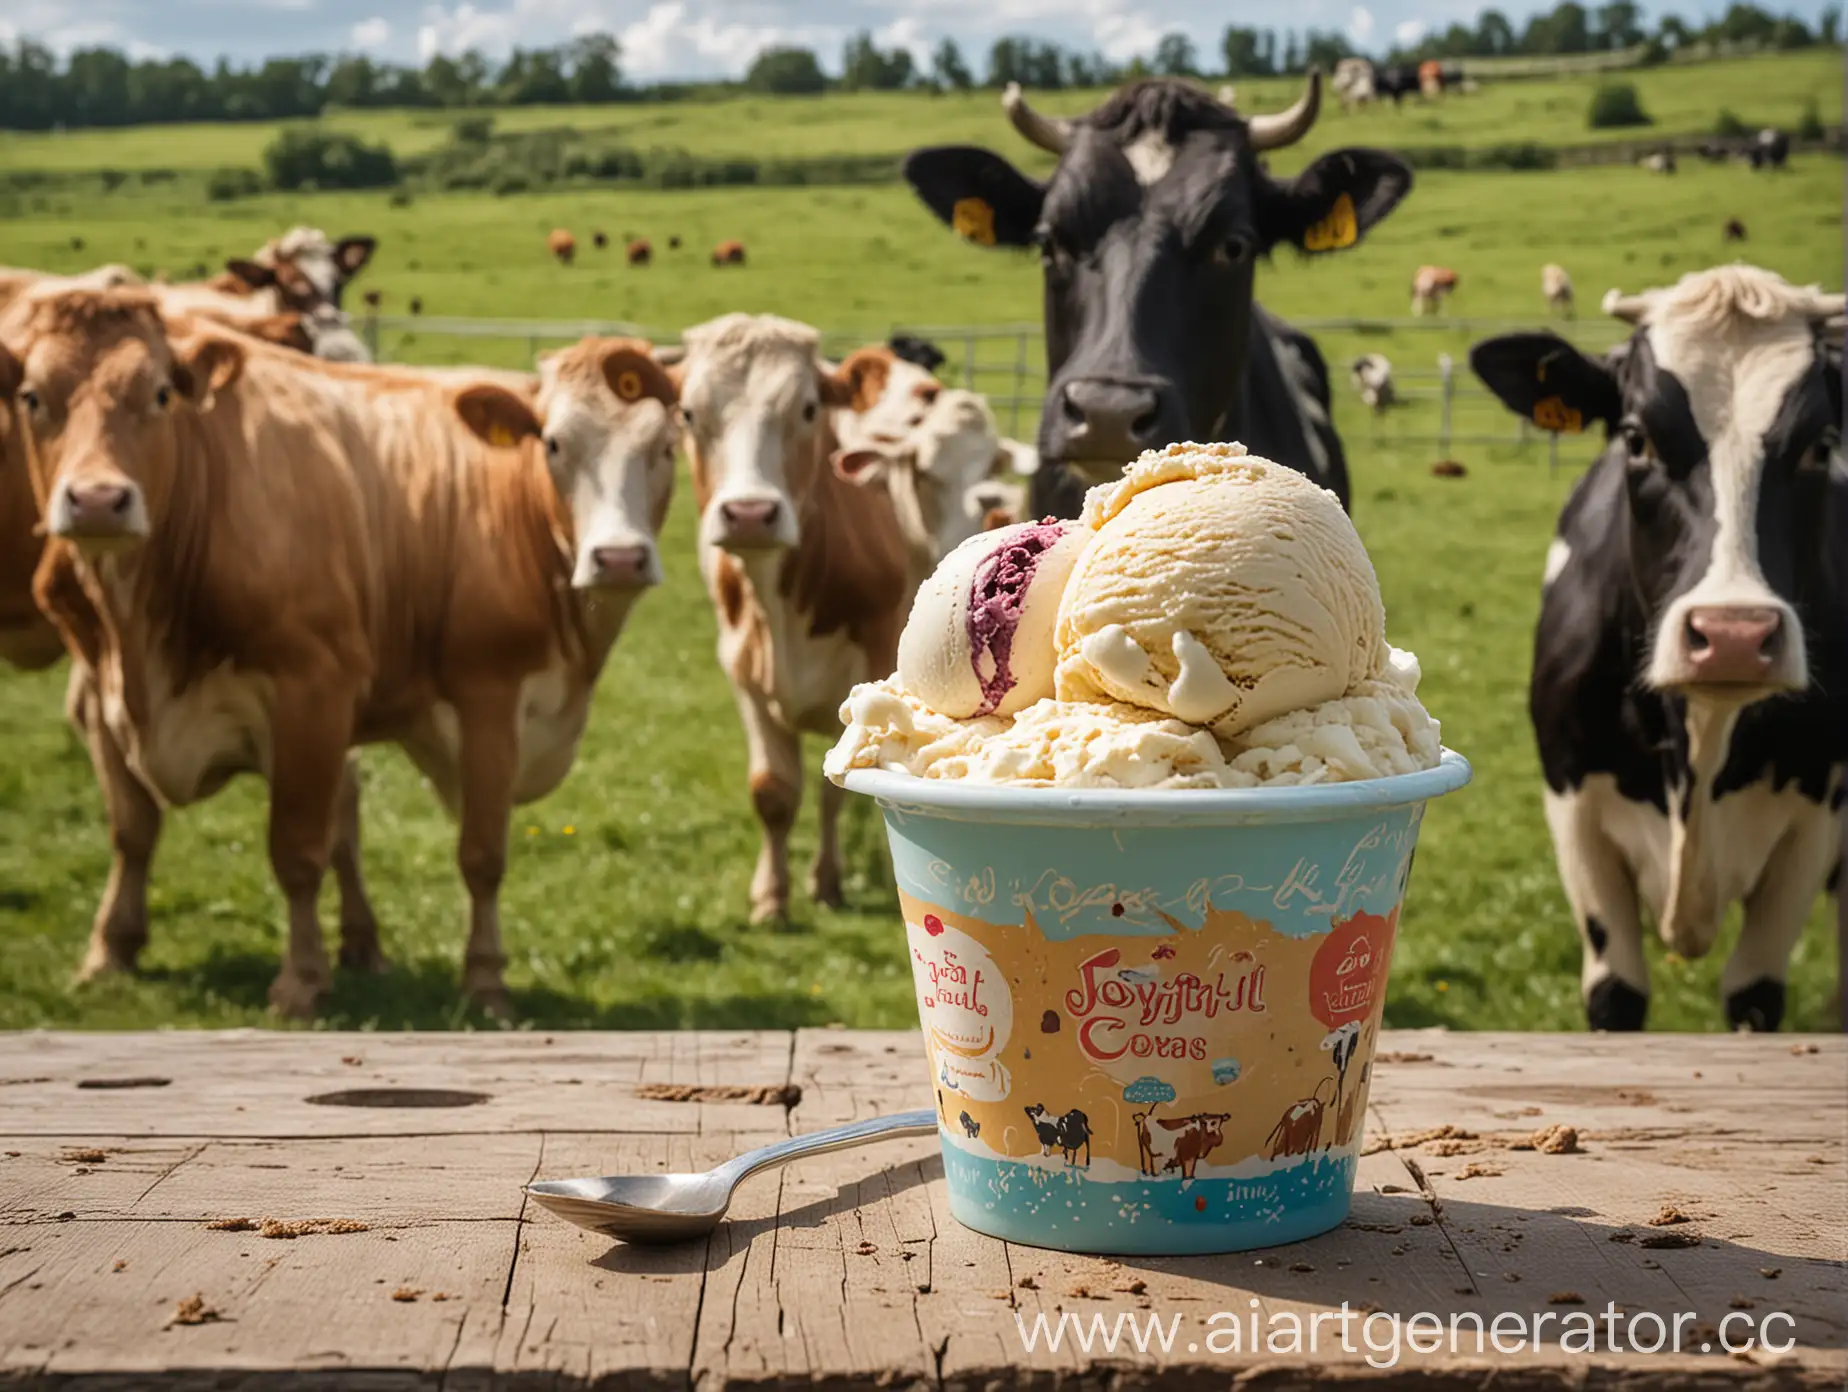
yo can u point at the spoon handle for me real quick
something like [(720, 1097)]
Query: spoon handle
[(917, 1123)]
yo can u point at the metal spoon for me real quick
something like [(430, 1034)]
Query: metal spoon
[(675, 1207)]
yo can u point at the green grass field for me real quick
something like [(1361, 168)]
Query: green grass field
[(625, 900)]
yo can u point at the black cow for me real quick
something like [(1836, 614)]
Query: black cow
[(971, 1127), (1396, 80), (913, 349), (1069, 1133), (1149, 232), (1770, 149), (1688, 682)]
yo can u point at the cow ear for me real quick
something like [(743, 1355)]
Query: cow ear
[(1547, 380), (860, 380), (860, 466), (632, 374), (496, 416), (253, 274), (1333, 203), (352, 253), (206, 367), (977, 194)]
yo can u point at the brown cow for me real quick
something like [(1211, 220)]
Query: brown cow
[(1180, 1143), (639, 252), (728, 254), (288, 557), (1431, 286), (808, 572), (562, 245), (1299, 1130)]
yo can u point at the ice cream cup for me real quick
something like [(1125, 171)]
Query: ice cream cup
[(1150, 1016)]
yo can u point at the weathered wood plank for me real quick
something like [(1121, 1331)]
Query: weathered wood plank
[(256, 1083)]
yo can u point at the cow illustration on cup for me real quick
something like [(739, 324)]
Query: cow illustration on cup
[(1178, 1143), (1068, 1134)]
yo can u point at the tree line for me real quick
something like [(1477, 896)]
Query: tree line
[(102, 87)]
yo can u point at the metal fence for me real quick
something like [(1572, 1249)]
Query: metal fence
[(1441, 404)]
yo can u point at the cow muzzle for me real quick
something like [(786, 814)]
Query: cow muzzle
[(752, 523), (99, 513), (1109, 420), (1743, 649), (617, 566)]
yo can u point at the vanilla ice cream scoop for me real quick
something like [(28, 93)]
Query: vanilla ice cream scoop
[(979, 639), (1220, 589)]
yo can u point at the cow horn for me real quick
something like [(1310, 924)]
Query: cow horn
[(1824, 308), (1050, 133), (1632, 309), (1282, 128)]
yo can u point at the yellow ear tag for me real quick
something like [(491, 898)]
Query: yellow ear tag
[(629, 384), (1553, 414), (1339, 229), (974, 220), (500, 436)]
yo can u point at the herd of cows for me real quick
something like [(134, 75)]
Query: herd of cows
[(260, 551)]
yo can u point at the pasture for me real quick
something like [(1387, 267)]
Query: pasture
[(624, 903)]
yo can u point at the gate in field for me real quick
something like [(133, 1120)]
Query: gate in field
[(1439, 402)]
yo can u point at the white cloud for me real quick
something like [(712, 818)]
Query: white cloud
[(1409, 32), (371, 35), (905, 32), (1360, 26), (1121, 37)]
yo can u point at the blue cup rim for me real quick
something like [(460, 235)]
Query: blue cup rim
[(954, 800)]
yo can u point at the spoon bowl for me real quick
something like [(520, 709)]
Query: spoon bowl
[(664, 1208)]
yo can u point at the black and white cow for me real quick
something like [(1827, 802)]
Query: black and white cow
[(1689, 667), (1149, 232)]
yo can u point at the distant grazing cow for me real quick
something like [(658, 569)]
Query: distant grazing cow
[(1067, 1134), (1431, 78), (1770, 149), (1431, 286), (1660, 162), (1691, 657), (1396, 80), (599, 239), (1352, 82), (1152, 337), (416, 305), (971, 1127), (1716, 151), (279, 612), (1178, 1143), (1371, 375), (1734, 231), (809, 574), (728, 254), (639, 252), (673, 244), (562, 245), (1556, 286)]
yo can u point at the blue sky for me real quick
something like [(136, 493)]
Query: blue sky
[(696, 38)]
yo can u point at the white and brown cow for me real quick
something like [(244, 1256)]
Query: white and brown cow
[(303, 271), (262, 559), (1431, 286), (809, 574), (1691, 658), (935, 471), (1556, 286)]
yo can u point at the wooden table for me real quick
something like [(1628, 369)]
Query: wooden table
[(126, 1154)]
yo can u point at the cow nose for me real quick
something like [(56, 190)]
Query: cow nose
[(1732, 643), (98, 502), (1109, 420), (749, 520), (620, 565)]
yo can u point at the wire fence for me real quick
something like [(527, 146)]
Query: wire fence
[(1439, 404)]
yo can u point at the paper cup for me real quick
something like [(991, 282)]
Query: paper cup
[(1150, 1016)]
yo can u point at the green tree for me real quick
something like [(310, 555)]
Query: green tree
[(785, 71), (1175, 56), (535, 77), (948, 68), (1494, 34), (1829, 25), (596, 72), (1618, 24)]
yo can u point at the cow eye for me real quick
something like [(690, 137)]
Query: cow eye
[(1235, 250), (808, 410), (551, 445), (686, 416), (163, 396), (29, 399)]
